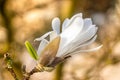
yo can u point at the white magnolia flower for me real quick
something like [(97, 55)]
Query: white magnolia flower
[(75, 34)]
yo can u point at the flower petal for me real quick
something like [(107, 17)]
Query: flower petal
[(64, 25), (79, 15), (84, 37), (44, 36), (87, 35), (74, 48), (53, 35), (56, 25), (67, 22), (88, 42), (70, 33), (42, 45), (84, 51), (87, 23), (79, 39)]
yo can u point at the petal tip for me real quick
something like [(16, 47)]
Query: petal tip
[(56, 25)]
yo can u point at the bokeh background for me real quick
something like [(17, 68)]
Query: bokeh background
[(22, 20)]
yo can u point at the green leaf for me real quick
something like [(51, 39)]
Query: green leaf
[(31, 50)]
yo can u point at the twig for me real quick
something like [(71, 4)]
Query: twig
[(10, 65), (26, 75)]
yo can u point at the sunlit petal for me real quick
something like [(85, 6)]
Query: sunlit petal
[(64, 25), (72, 31), (76, 15), (73, 48), (44, 36), (87, 24), (84, 51), (53, 35), (73, 18), (56, 25), (79, 39), (87, 35), (88, 42)]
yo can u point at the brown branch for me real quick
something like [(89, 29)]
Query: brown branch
[(26, 75), (12, 73), (10, 65)]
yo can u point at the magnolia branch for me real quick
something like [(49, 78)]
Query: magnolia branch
[(10, 65)]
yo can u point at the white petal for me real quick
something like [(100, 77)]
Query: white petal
[(42, 45), (44, 36), (87, 35), (83, 37), (88, 42), (63, 51), (64, 25), (79, 15), (70, 33), (53, 35), (56, 25), (84, 51), (73, 48), (68, 22), (79, 39), (87, 23)]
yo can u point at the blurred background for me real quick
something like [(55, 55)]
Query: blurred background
[(22, 20)]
